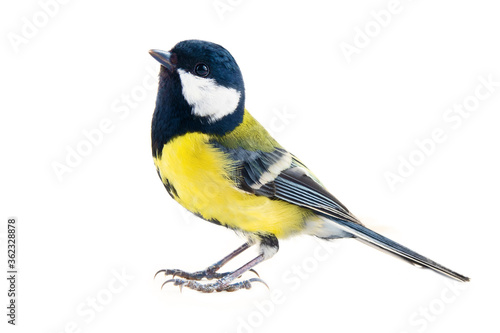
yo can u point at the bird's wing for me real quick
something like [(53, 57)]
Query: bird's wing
[(297, 185), (279, 175)]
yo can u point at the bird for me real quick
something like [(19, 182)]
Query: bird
[(217, 161)]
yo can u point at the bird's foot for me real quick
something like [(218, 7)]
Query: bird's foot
[(218, 286), (210, 273)]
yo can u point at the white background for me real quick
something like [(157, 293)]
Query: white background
[(348, 121)]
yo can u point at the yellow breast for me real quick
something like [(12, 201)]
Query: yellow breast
[(200, 175)]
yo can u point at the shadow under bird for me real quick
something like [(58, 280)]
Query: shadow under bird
[(218, 162)]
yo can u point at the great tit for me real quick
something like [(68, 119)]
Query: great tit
[(218, 162)]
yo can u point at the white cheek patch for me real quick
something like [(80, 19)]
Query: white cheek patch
[(207, 98)]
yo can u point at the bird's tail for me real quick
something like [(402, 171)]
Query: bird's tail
[(385, 244)]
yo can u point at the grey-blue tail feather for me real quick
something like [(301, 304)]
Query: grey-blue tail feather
[(376, 240)]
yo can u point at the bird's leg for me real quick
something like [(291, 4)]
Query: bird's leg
[(268, 247), (211, 271)]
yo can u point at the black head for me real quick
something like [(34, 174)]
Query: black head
[(200, 90)]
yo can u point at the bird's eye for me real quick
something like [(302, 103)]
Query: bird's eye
[(201, 70)]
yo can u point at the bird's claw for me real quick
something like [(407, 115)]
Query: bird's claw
[(254, 271)]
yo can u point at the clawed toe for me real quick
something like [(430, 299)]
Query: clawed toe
[(246, 284), (196, 276), (208, 274), (172, 272)]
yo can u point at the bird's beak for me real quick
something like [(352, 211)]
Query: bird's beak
[(163, 58)]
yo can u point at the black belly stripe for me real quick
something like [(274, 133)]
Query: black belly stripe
[(170, 189)]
